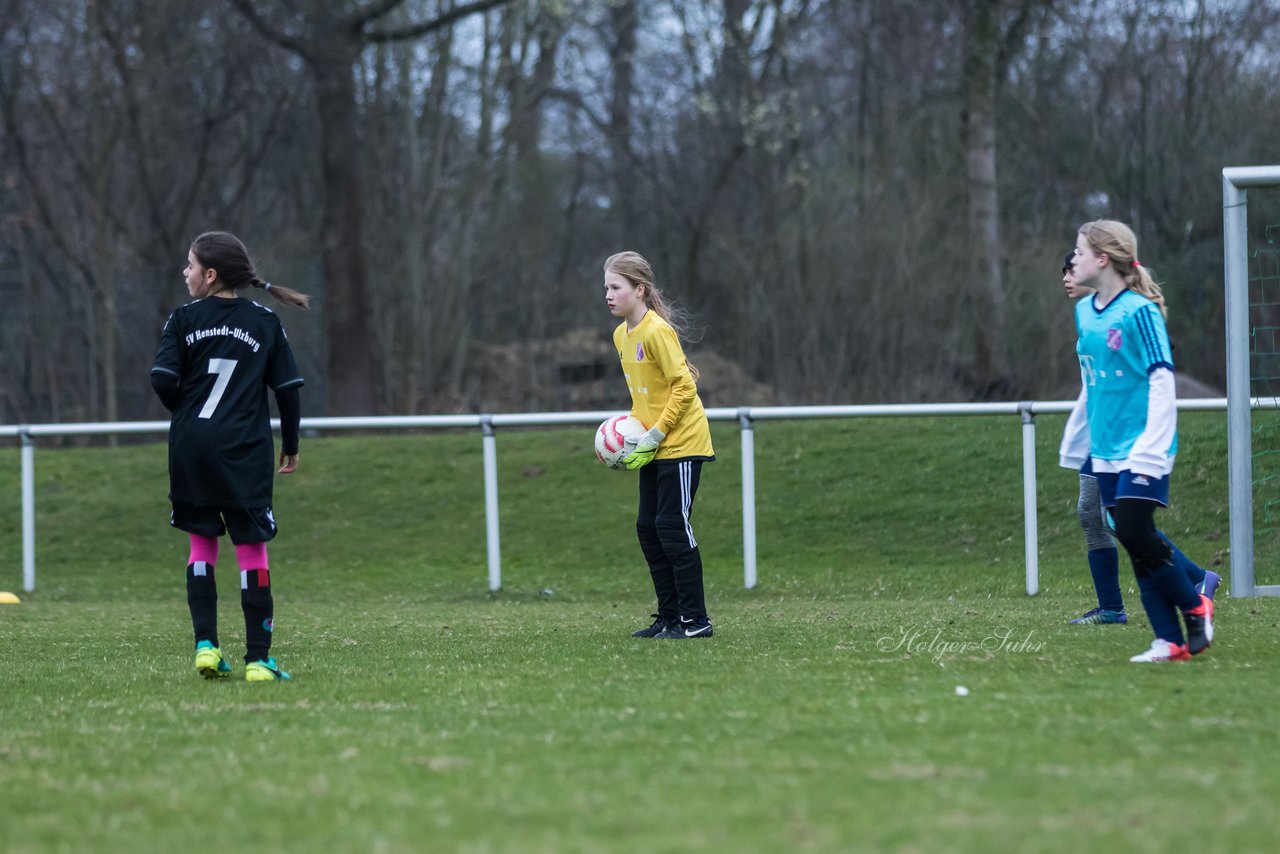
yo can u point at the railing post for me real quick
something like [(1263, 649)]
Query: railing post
[(28, 509), (748, 497), (491, 501), (1031, 535)]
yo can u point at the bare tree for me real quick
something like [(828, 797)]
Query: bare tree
[(857, 199), (114, 162), (623, 25), (330, 40), (990, 47)]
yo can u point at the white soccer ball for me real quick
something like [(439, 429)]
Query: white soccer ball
[(611, 436)]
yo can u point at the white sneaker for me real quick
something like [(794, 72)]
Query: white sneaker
[(1161, 650)]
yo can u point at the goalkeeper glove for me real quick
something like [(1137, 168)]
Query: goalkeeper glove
[(642, 448)]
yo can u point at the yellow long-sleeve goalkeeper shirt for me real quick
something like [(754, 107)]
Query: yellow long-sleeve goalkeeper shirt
[(663, 393)]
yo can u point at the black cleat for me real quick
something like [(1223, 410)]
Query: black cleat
[(687, 629), (660, 624), (1199, 622)]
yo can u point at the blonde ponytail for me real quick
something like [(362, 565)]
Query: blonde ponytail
[(1140, 280)]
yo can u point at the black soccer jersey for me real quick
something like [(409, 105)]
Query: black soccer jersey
[(225, 354)]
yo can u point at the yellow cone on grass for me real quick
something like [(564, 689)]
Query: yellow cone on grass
[(7, 598)]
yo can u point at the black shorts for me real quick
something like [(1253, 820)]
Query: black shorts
[(245, 526)]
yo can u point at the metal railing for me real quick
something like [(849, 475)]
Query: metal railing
[(745, 416)]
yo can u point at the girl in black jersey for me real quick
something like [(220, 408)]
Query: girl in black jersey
[(218, 356)]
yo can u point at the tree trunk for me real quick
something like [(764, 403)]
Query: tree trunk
[(413, 214), (624, 19), (346, 299), (991, 364)]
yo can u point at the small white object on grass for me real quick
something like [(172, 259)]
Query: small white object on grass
[(962, 691)]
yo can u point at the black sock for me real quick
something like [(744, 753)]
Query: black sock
[(202, 599), (255, 599)]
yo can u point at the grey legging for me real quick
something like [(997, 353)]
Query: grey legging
[(1097, 534)]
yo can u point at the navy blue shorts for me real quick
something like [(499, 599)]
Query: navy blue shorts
[(1114, 486), (245, 526)]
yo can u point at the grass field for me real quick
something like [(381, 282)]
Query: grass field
[(429, 715)]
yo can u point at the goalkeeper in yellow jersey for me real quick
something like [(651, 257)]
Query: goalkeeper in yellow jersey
[(669, 457)]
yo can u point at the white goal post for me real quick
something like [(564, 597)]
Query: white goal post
[(1236, 182)]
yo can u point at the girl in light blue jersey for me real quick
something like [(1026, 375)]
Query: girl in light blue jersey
[(1127, 405), (1103, 557)]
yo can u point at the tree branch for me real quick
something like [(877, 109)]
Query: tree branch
[(54, 230), (133, 121), (357, 22), (781, 30), (1011, 43), (439, 22), (273, 34), (80, 167), (574, 99)]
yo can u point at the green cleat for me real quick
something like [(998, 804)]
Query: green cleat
[(209, 661), (264, 671)]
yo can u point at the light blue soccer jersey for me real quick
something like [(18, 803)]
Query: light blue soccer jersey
[(1119, 346)]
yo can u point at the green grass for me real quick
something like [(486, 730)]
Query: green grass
[(429, 715)]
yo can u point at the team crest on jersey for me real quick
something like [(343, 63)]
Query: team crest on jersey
[(639, 352), (1113, 338)]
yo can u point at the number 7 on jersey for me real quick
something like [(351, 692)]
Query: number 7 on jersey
[(223, 368)]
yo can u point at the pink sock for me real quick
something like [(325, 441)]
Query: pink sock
[(252, 556), (203, 550)]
